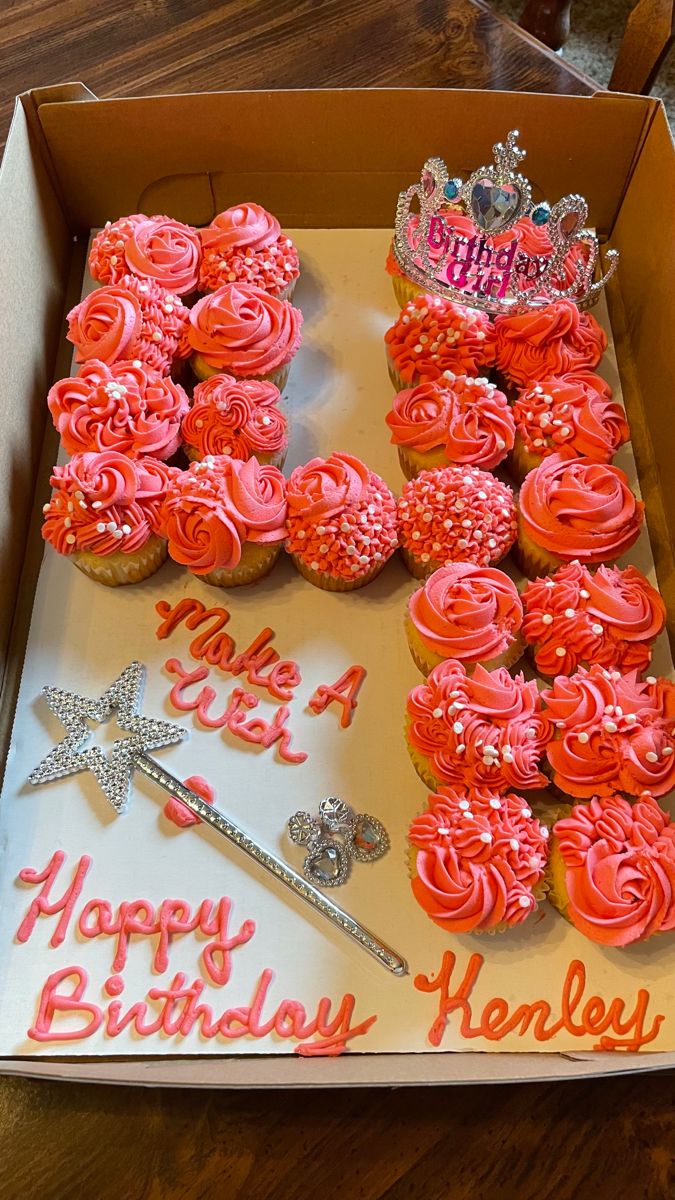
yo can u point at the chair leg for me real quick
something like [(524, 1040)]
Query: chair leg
[(647, 39), (548, 20)]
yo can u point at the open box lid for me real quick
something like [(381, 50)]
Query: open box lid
[(317, 159)]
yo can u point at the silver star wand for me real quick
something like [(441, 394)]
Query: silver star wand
[(114, 775)]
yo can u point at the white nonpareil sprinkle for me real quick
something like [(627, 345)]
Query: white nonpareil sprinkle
[(583, 737), (560, 651), (651, 756), (514, 843), (525, 902), (547, 619), (486, 837)]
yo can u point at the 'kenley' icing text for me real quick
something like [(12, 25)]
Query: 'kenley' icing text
[(608, 1021)]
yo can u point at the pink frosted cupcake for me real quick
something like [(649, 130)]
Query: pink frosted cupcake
[(432, 336), (553, 340), (128, 407), (133, 319), (482, 730), (455, 514), (225, 519), (341, 522), (573, 508), (158, 249), (104, 514), (574, 411), (236, 417), (244, 244), (575, 618), (472, 614), (242, 331), (477, 860), (450, 421), (612, 869), (613, 732)]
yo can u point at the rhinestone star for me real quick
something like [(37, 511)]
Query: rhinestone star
[(113, 773)]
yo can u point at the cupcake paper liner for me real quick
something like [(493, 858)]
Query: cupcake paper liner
[(204, 371), (414, 461), (117, 569), (256, 562), (330, 583)]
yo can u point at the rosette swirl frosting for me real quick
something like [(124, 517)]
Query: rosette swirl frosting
[(484, 730), (613, 733), (216, 506), (241, 329), (133, 319), (547, 341), (478, 857), (433, 335), (235, 417), (104, 503), (574, 410), (467, 612), (452, 514), (244, 244), (575, 618), (341, 517), (156, 248), (128, 407), (619, 864), (577, 508), (469, 418)]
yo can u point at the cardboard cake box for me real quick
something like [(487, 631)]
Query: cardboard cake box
[(318, 160)]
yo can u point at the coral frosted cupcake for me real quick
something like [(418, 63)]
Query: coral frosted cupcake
[(158, 249), (128, 407), (225, 519), (236, 417), (455, 514), (472, 614), (104, 514), (242, 331), (547, 341), (575, 411), (612, 869), (133, 319), (433, 335), (477, 860), (573, 508), (244, 244), (482, 730), (575, 618), (613, 732), (450, 421), (341, 522)]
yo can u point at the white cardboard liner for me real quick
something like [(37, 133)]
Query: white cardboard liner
[(82, 635)]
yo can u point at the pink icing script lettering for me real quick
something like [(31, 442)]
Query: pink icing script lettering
[(218, 649), (234, 718), (66, 1011)]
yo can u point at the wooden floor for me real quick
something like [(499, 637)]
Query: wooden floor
[(565, 1141)]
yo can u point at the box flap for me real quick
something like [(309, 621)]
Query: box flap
[(320, 157)]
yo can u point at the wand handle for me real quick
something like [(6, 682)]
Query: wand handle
[(285, 874)]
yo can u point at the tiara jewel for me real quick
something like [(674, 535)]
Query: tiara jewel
[(484, 267)]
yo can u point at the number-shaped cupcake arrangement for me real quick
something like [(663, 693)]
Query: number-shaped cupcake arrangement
[(176, 432)]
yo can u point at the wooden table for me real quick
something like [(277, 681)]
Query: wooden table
[(537, 1141)]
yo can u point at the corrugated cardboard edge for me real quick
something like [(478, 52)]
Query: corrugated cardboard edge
[(351, 1070)]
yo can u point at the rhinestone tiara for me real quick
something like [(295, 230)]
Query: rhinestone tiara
[(482, 266)]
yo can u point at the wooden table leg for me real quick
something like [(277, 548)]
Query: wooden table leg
[(548, 20), (648, 37)]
